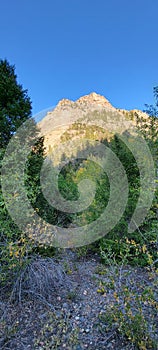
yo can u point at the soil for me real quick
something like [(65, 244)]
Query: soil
[(75, 318)]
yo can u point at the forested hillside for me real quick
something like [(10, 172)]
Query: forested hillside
[(78, 223)]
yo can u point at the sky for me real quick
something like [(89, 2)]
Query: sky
[(67, 48)]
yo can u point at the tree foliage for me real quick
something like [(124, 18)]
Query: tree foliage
[(15, 109), (151, 109), (15, 105)]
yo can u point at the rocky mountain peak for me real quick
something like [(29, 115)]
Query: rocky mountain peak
[(64, 102), (68, 112), (94, 98), (91, 100)]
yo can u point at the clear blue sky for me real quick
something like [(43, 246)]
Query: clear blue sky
[(69, 48)]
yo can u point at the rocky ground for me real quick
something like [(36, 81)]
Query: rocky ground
[(76, 313)]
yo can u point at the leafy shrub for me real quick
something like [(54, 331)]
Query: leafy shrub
[(127, 314)]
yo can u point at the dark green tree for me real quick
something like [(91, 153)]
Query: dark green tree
[(15, 110), (152, 110), (151, 134), (150, 130), (15, 105)]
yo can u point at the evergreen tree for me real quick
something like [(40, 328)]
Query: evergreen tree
[(152, 110), (15, 105), (15, 110)]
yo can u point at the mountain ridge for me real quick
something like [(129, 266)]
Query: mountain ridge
[(68, 112), (92, 99)]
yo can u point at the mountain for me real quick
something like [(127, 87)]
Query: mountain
[(65, 118)]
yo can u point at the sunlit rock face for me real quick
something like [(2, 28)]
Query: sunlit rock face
[(68, 112)]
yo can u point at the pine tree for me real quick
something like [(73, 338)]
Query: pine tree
[(15, 112), (15, 105)]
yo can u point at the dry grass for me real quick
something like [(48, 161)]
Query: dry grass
[(41, 279)]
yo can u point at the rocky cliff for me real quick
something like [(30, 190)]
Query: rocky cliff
[(68, 112)]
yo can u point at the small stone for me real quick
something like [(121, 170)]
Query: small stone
[(77, 318), (65, 305), (78, 347), (58, 314), (87, 330), (82, 318)]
